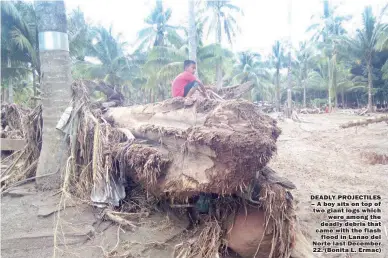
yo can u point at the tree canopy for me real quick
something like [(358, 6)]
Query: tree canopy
[(333, 67)]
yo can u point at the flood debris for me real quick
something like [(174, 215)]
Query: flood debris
[(206, 159)]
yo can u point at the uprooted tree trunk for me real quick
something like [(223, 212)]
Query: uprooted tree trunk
[(186, 146), (202, 145), (365, 121), (236, 91), (112, 93)]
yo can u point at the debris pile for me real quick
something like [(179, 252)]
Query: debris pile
[(24, 124), (207, 156)]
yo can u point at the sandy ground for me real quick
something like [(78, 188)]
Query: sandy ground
[(317, 156), (320, 158)]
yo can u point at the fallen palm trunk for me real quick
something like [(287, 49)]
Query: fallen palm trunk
[(310, 111), (202, 145), (365, 121), (236, 91)]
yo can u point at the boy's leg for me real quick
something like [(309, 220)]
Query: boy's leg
[(190, 88)]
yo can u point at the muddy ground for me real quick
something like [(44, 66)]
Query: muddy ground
[(317, 156)]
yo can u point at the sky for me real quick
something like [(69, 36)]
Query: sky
[(264, 21)]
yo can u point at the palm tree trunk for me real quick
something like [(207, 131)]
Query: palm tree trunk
[(304, 93), (219, 61), (305, 84), (343, 97), (335, 84), (34, 102), (56, 93), (370, 84), (192, 32), (329, 85), (10, 85), (277, 90), (289, 93), (159, 39), (4, 94)]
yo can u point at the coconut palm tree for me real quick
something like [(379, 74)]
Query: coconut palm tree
[(367, 42), (302, 65), (19, 46), (192, 31), (158, 32), (278, 61), (79, 35), (221, 20), (56, 93), (249, 67), (319, 77), (108, 49), (328, 32)]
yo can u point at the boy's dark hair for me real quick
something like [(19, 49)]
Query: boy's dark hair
[(187, 63)]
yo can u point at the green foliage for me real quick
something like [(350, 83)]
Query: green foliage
[(250, 67), (332, 61), (79, 33), (158, 32), (109, 51), (19, 46), (221, 19)]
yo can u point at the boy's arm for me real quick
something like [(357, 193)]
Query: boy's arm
[(202, 89)]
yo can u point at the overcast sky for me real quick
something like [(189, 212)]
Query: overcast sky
[(263, 21)]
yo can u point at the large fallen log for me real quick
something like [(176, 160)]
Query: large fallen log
[(236, 91), (196, 145), (365, 121)]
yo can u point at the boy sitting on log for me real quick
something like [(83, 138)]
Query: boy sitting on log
[(186, 83)]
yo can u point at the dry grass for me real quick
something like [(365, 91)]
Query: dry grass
[(25, 164), (205, 242), (279, 218)]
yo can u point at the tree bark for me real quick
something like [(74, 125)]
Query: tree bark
[(365, 121), (56, 94), (304, 94), (335, 86), (277, 90), (192, 33), (34, 102), (289, 92), (219, 61), (10, 86), (370, 84), (329, 85), (167, 126)]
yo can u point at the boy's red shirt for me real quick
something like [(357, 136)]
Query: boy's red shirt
[(179, 83)]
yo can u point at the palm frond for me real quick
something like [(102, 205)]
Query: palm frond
[(23, 43)]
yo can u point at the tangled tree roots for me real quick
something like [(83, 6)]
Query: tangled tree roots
[(264, 229), (202, 145), (182, 147)]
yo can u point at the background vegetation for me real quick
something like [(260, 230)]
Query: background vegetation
[(332, 68)]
